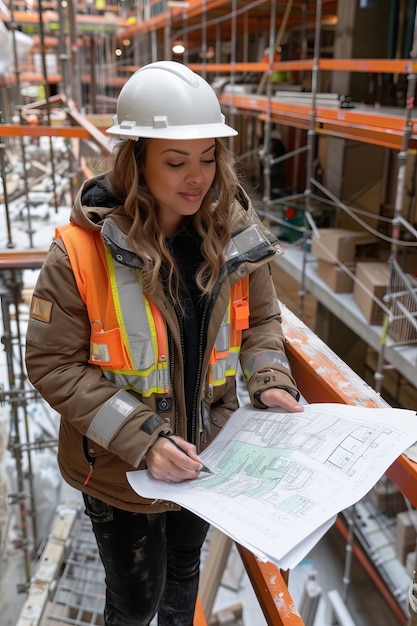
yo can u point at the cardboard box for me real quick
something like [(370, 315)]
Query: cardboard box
[(386, 497), (405, 534), (338, 243), (335, 277), (375, 277)]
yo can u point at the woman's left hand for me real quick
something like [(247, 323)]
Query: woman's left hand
[(280, 398)]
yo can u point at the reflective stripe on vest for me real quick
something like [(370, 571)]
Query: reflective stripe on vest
[(128, 334), (224, 357)]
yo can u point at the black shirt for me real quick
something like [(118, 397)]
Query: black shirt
[(185, 250)]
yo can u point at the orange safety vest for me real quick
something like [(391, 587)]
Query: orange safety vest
[(129, 340)]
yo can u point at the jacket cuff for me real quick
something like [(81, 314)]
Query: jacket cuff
[(114, 413), (257, 402)]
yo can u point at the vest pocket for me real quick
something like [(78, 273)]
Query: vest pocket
[(107, 349)]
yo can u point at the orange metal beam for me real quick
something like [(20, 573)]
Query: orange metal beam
[(384, 137), (320, 373), (23, 130), (55, 79), (29, 77), (403, 473), (371, 66), (227, 68), (373, 119), (376, 126), (22, 259), (271, 590), (367, 118), (199, 617), (84, 130), (32, 17)]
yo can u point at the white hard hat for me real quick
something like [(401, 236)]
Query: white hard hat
[(167, 100)]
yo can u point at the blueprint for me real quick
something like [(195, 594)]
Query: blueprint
[(279, 479)]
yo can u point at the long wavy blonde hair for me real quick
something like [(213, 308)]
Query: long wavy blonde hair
[(146, 237)]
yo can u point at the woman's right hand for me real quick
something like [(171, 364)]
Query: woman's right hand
[(166, 462)]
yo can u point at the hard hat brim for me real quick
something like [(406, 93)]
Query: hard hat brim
[(203, 131)]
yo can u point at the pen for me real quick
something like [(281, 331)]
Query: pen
[(174, 443)]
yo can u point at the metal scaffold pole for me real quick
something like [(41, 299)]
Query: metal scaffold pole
[(398, 221), (64, 57), (233, 66), (10, 285), (75, 56), (274, 45), (47, 96), (311, 141), (266, 196), (10, 243)]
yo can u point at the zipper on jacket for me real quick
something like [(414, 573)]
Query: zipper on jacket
[(193, 416), (181, 327), (203, 332), (171, 368)]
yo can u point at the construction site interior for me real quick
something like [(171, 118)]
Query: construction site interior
[(322, 94)]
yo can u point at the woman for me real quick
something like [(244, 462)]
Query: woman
[(137, 320)]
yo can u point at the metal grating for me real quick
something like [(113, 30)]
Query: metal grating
[(80, 592), (403, 315)]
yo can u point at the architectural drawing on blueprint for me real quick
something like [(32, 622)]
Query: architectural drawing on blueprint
[(281, 478)]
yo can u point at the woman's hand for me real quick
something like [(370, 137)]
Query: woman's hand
[(166, 462), (280, 398)]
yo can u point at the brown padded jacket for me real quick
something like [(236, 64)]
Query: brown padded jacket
[(57, 352)]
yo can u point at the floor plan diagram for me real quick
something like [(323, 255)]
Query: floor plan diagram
[(279, 479)]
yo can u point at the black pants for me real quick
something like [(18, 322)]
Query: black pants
[(151, 562)]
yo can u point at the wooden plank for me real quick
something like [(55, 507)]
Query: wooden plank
[(34, 606), (213, 569), (64, 523), (48, 568), (50, 563)]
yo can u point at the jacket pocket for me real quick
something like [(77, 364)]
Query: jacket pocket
[(97, 510), (108, 350)]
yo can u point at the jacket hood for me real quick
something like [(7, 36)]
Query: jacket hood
[(94, 204)]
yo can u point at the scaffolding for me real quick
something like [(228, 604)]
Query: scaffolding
[(79, 57)]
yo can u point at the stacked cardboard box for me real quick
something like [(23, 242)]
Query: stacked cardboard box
[(405, 534), (387, 498), (331, 245), (335, 276), (374, 276)]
